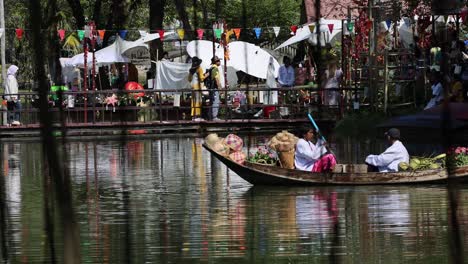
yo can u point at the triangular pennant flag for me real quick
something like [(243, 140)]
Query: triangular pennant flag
[(463, 14), (350, 26), (312, 28), (294, 29), (200, 33), (123, 33), (61, 33), (181, 33), (445, 18), (143, 33), (276, 30), (237, 31), (101, 33), (330, 27), (258, 31), (80, 34), (389, 23), (161, 34), (218, 32), (19, 33), (369, 24), (228, 35), (2, 30)]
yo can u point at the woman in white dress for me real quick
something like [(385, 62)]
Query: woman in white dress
[(333, 77)]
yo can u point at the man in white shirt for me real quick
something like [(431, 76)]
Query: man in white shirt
[(388, 161), (286, 75)]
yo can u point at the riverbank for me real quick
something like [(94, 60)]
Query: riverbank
[(151, 129)]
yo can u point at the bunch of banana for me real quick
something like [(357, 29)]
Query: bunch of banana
[(423, 163)]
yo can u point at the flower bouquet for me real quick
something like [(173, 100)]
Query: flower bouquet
[(263, 156), (458, 157)]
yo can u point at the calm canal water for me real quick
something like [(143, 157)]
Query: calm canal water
[(169, 201)]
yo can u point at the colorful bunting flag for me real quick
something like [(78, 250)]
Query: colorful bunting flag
[(81, 33), (218, 32), (276, 30), (61, 33), (237, 31), (312, 28), (181, 33), (19, 33), (294, 29), (101, 33), (123, 33), (389, 23), (350, 26), (228, 35), (369, 24), (200, 33), (330, 28), (258, 31), (161, 34), (463, 14)]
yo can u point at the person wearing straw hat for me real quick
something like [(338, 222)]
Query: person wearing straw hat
[(196, 78)]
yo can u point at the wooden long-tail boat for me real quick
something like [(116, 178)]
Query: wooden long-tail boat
[(259, 174)]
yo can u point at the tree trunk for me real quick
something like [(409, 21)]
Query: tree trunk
[(60, 178), (156, 17), (117, 20), (55, 69), (180, 6), (97, 12), (300, 53), (204, 7), (78, 13), (217, 9)]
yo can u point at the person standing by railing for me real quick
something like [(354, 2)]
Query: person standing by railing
[(213, 84), (286, 76), (12, 97), (333, 76), (196, 78)]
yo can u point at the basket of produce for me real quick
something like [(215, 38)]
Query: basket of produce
[(423, 163), (284, 143), (263, 156)]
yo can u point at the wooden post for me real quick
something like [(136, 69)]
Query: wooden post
[(385, 81)]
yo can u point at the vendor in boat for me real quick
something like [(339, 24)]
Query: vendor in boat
[(312, 153), (388, 161)]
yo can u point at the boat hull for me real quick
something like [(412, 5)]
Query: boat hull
[(258, 174)]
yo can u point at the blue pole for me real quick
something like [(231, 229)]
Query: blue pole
[(315, 126)]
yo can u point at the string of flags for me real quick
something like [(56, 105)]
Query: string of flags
[(218, 30), (82, 33)]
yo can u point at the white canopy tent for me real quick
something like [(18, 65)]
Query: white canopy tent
[(325, 36), (108, 55), (172, 75), (244, 56), (170, 35)]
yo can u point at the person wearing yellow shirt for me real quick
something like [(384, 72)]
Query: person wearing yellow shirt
[(196, 78)]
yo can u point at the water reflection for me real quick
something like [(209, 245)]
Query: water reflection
[(169, 201)]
